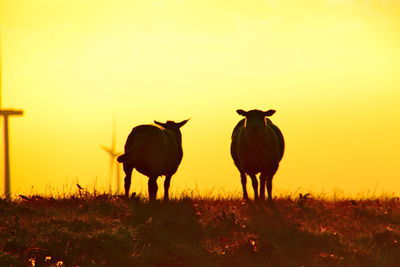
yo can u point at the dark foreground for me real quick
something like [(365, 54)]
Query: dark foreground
[(111, 231)]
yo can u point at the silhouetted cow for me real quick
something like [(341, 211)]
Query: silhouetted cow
[(257, 147), (153, 150)]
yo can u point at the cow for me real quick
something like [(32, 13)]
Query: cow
[(153, 150), (257, 147)]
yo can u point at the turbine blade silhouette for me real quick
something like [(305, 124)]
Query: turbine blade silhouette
[(108, 150), (113, 155)]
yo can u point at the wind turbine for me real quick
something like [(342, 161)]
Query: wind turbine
[(6, 113), (113, 159)]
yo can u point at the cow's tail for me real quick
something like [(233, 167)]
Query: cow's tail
[(131, 151), (121, 158)]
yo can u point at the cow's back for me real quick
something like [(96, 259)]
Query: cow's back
[(279, 139), (173, 153), (152, 150), (234, 143)]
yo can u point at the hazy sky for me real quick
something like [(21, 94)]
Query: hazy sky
[(329, 68)]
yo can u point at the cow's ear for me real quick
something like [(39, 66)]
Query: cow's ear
[(159, 123), (180, 124), (241, 112), (269, 112)]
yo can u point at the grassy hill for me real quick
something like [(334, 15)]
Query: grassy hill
[(106, 230)]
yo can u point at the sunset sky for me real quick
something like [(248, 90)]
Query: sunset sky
[(331, 69)]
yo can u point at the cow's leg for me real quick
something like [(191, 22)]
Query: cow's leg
[(269, 187), (152, 184), (244, 181), (270, 175), (255, 185), (166, 187), (262, 185), (128, 175)]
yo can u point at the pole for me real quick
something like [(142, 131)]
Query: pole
[(7, 187), (0, 77), (118, 177), (5, 113), (1, 70)]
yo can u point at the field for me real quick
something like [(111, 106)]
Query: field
[(108, 230)]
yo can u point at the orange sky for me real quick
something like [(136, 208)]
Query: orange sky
[(329, 68)]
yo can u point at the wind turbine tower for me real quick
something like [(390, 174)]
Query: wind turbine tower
[(113, 157), (6, 113)]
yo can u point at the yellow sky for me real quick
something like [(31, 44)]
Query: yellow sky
[(329, 68)]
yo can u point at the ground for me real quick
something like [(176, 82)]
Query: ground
[(108, 230)]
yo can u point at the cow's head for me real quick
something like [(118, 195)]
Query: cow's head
[(255, 120), (172, 126)]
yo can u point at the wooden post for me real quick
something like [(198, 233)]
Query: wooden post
[(7, 186), (6, 113)]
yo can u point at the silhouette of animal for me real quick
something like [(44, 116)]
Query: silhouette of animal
[(153, 150), (257, 147)]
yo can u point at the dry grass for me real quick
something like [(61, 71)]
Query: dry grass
[(107, 230)]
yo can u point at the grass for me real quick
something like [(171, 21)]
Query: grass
[(108, 230)]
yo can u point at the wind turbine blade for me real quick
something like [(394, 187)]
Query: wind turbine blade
[(106, 149), (116, 154)]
